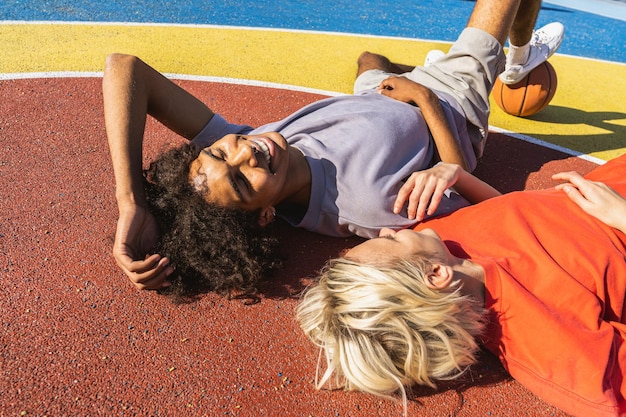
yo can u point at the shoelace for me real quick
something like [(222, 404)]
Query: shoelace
[(540, 38)]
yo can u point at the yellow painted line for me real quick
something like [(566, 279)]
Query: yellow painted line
[(586, 115), (321, 61)]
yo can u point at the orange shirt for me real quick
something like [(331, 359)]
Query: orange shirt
[(555, 289)]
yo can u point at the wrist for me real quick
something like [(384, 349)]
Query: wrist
[(126, 200)]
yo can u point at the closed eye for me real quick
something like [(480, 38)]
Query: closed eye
[(219, 155)]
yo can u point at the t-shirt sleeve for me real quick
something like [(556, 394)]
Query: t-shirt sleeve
[(217, 128), (570, 357)]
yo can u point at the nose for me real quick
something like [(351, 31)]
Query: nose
[(385, 231), (243, 154)]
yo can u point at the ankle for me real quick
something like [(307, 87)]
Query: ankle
[(518, 55)]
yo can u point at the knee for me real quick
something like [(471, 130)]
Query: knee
[(369, 61), (364, 55), (367, 57), (116, 61)]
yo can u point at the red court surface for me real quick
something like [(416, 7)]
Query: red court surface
[(77, 339)]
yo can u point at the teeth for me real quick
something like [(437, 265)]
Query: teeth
[(266, 151)]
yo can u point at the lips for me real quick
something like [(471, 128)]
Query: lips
[(265, 150)]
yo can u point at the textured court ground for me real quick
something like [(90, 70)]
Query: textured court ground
[(76, 339)]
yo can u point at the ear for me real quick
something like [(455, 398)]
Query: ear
[(267, 216), (440, 277)]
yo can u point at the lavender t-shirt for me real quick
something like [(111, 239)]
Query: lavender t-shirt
[(360, 149)]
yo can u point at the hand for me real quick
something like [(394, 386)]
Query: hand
[(424, 190), (595, 198), (137, 232), (400, 88), (407, 91)]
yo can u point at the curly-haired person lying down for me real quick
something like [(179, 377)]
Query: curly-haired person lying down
[(342, 166), (536, 277)]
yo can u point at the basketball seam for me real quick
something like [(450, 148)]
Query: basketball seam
[(544, 103)]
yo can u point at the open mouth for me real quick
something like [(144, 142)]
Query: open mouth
[(265, 150)]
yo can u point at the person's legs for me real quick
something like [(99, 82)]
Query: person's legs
[(371, 61), (495, 17), (492, 16), (516, 20), (373, 69), (522, 59), (471, 66), (524, 23), (528, 48)]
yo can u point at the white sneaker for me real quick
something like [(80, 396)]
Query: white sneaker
[(543, 45), (433, 56)]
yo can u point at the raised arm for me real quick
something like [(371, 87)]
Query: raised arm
[(131, 91), (408, 91)]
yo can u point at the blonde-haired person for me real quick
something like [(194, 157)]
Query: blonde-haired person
[(536, 277), (381, 327)]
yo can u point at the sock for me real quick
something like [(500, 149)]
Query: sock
[(518, 55)]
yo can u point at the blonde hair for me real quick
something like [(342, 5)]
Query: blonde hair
[(381, 328)]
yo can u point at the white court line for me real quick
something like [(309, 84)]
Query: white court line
[(187, 77)]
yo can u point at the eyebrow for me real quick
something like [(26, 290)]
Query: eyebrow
[(231, 181)]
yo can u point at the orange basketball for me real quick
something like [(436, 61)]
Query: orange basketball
[(530, 95)]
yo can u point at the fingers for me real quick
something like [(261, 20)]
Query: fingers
[(418, 201), (403, 195), (414, 193), (571, 176), (391, 87), (148, 274), (387, 83), (435, 199), (576, 188), (589, 195), (595, 198), (423, 195), (564, 176), (386, 89), (574, 194)]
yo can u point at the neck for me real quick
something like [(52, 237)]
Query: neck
[(472, 276), (298, 187)]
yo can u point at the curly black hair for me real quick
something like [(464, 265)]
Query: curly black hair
[(212, 248)]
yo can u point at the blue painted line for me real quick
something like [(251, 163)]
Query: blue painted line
[(588, 34)]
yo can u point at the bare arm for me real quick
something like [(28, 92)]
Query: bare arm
[(403, 89), (474, 189), (132, 90), (424, 190)]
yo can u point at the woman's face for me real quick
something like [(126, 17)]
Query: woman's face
[(404, 244), (243, 171)]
